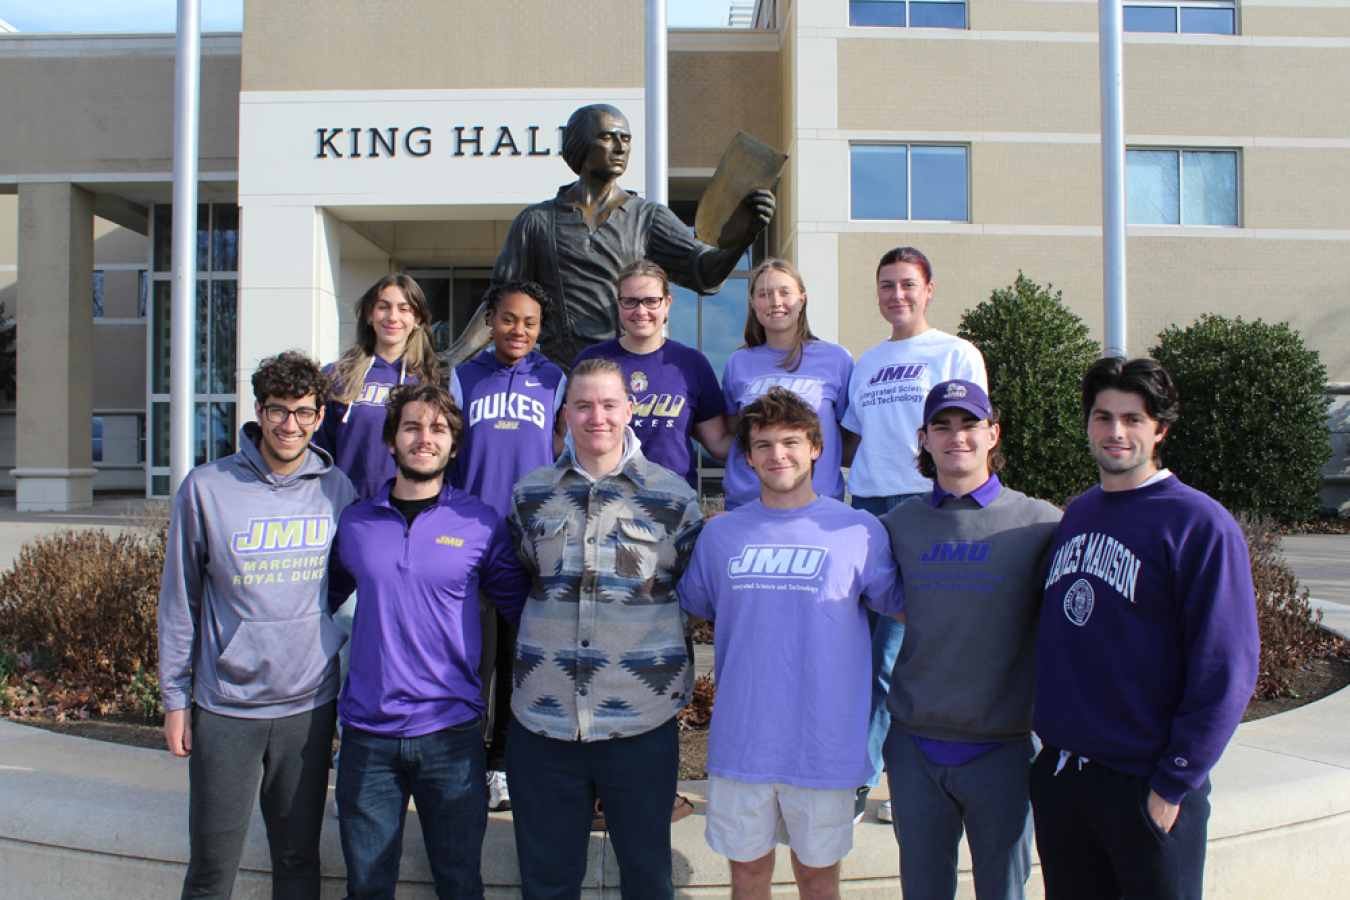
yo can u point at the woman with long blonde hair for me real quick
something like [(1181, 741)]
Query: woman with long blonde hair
[(393, 346), (780, 349)]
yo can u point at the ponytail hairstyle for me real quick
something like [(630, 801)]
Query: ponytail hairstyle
[(754, 330), (419, 354)]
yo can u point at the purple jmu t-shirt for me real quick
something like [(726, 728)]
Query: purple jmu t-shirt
[(787, 589), (673, 389), (821, 380)]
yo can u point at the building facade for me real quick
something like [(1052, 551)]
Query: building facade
[(342, 140)]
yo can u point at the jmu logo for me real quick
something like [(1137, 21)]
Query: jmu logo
[(958, 551), (906, 372), (812, 390), (637, 382), (449, 541), (784, 562), (291, 533), (375, 394), (664, 406), (1078, 602)]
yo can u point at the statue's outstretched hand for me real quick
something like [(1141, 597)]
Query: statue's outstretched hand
[(762, 205)]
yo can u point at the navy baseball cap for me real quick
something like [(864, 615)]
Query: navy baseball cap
[(965, 395)]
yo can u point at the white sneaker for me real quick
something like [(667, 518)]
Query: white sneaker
[(884, 812), (499, 798)]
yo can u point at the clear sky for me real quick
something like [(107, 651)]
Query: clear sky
[(228, 15)]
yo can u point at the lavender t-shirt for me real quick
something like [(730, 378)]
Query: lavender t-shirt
[(787, 589), (673, 389), (821, 380)]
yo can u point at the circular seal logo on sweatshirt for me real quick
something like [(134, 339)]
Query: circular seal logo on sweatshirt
[(1078, 602), (637, 382)]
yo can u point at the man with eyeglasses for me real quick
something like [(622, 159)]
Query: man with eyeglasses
[(972, 555), (248, 653)]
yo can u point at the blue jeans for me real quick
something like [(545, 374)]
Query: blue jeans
[(887, 635), (554, 785), (987, 797), (445, 772)]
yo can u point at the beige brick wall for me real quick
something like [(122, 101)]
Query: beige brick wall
[(714, 95), (115, 244), (1296, 188), (1040, 86), (1035, 184), (1292, 21), (119, 366), (9, 229), (91, 114), (1006, 15), (1060, 184), (310, 45), (1171, 281)]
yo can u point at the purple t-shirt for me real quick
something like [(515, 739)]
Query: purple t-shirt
[(821, 380), (673, 389), (787, 588)]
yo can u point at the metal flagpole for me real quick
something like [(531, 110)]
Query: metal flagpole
[(657, 122), (1111, 43), (187, 91)]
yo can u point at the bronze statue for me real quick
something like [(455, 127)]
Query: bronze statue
[(575, 244)]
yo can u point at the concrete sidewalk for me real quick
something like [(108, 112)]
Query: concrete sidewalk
[(111, 513)]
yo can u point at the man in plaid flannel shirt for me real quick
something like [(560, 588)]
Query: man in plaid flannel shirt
[(601, 663)]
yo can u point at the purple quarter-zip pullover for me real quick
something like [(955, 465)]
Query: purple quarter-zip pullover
[(415, 637)]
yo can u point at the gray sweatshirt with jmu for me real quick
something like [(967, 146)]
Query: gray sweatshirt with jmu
[(244, 626), (973, 583)]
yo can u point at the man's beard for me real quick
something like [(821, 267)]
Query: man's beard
[(418, 477)]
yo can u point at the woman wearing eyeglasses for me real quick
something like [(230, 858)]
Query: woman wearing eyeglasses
[(781, 350), (674, 388), (393, 346)]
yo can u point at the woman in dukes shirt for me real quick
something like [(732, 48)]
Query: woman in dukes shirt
[(392, 347), (674, 389), (781, 350)]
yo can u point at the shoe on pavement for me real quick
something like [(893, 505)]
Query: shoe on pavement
[(860, 803), (884, 812), (499, 798)]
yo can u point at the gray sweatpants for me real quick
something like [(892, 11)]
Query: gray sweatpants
[(284, 762)]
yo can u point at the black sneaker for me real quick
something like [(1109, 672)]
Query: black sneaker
[(860, 804)]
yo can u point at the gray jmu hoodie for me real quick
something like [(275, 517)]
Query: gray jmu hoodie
[(244, 627)]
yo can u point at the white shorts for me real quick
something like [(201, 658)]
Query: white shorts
[(745, 821)]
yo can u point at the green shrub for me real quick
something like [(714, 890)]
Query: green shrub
[(1035, 352), (1253, 429)]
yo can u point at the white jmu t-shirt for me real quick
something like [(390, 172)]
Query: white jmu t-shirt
[(885, 407)]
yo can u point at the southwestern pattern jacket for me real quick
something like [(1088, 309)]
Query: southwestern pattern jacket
[(601, 652)]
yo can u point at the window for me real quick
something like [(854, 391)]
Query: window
[(1181, 187), (214, 359), (98, 294), (1219, 17), (907, 13), (98, 439), (909, 181)]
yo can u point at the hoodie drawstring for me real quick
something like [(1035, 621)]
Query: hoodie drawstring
[(402, 377)]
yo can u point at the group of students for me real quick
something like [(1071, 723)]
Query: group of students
[(544, 528)]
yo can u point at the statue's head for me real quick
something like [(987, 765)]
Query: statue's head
[(600, 129)]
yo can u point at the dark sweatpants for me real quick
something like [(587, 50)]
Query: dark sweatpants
[(285, 763), (1096, 838)]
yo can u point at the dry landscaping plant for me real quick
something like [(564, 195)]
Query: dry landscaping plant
[(699, 711), (78, 619), (1291, 632)]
